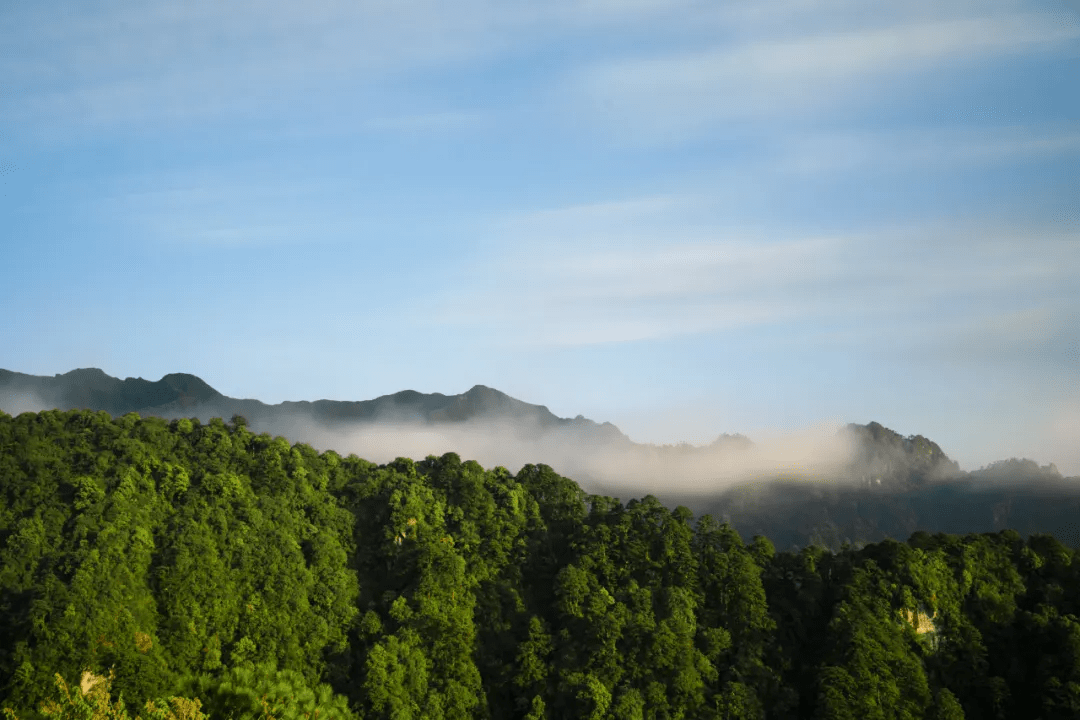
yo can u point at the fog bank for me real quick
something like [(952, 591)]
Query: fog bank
[(616, 467)]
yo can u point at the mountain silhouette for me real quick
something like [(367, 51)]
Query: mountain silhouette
[(887, 486), (180, 395)]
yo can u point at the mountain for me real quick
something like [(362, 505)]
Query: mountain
[(91, 388), (886, 486), (180, 395)]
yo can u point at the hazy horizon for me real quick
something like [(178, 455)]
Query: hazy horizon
[(682, 218), (820, 453)]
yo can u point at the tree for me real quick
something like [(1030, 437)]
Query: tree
[(262, 691), (946, 706), (92, 700)]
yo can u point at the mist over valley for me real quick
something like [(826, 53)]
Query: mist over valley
[(827, 484)]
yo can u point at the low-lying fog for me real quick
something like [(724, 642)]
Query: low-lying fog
[(599, 459), (619, 467)]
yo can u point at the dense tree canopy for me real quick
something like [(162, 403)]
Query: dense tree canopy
[(185, 561)]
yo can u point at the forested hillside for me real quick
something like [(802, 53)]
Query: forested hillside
[(203, 561), (887, 486)]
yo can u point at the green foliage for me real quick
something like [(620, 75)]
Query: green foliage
[(92, 700), (874, 671), (255, 692), (270, 580), (946, 706)]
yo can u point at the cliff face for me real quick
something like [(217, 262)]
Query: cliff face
[(886, 459)]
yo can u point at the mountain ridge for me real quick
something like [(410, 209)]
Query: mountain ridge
[(174, 393), (890, 486), (884, 455)]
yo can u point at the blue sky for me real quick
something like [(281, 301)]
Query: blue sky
[(685, 218)]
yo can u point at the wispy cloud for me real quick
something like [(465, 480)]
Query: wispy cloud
[(639, 270), (620, 271), (809, 453), (200, 60), (177, 209), (655, 98), (818, 154), (135, 62), (804, 232)]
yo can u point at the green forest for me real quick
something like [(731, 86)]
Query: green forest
[(180, 570)]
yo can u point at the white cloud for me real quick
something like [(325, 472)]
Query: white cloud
[(201, 59), (198, 60), (657, 97), (661, 267), (614, 272), (133, 61), (809, 453)]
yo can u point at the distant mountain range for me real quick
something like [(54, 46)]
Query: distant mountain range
[(181, 395), (890, 486)]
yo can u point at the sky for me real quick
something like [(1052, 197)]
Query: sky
[(684, 218)]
